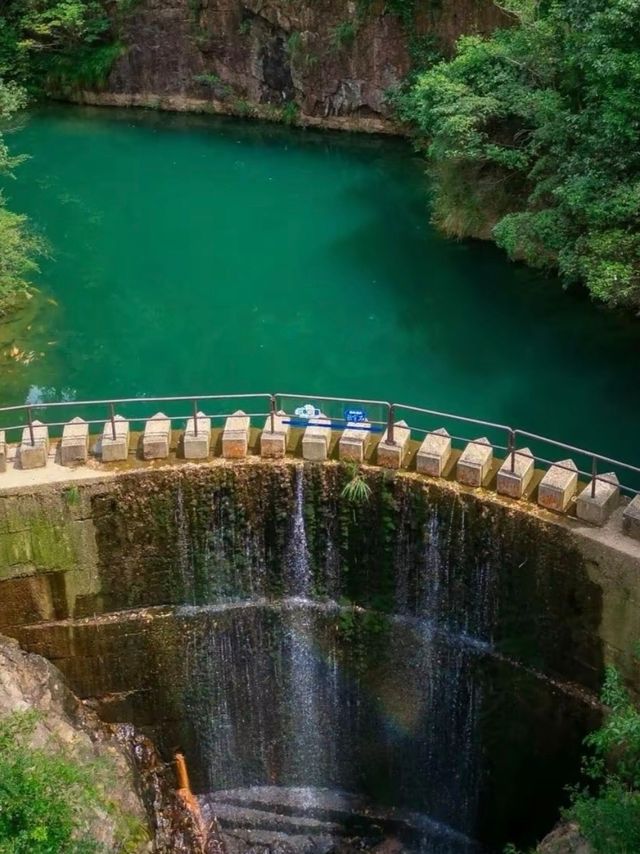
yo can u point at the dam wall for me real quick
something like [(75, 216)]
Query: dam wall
[(255, 615), (567, 597)]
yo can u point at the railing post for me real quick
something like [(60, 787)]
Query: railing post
[(512, 450), (390, 424), (30, 422), (594, 475), (195, 417), (272, 412), (112, 418)]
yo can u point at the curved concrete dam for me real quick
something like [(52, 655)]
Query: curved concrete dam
[(420, 665)]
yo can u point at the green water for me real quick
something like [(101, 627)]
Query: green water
[(203, 255)]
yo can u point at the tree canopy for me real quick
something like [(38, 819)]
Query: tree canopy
[(533, 135), (53, 44), (608, 811), (19, 246), (45, 45)]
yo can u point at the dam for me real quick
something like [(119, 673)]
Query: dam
[(419, 664)]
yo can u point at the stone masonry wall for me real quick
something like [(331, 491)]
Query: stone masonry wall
[(564, 603)]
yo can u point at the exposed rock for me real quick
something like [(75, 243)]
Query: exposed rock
[(29, 682), (565, 839), (334, 60)]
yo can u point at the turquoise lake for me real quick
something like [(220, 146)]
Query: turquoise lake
[(202, 255)]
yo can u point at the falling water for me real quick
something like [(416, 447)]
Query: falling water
[(185, 558), (300, 696), (448, 625), (307, 757), (298, 560)]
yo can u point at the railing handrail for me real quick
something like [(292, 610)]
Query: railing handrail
[(389, 407)]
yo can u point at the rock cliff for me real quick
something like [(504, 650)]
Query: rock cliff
[(327, 62), (565, 839), (140, 794)]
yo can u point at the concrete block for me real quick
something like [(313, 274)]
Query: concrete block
[(273, 444), (597, 508), (558, 486), (474, 464), (115, 450), (316, 439), (434, 452), (631, 519), (74, 445), (392, 456), (33, 456), (514, 483), (196, 446), (353, 442), (3, 452), (235, 436), (157, 437)]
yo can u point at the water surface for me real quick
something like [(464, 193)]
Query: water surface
[(207, 255)]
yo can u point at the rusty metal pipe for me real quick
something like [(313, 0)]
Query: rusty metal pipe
[(182, 774)]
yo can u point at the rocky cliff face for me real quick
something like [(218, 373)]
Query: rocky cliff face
[(328, 62), (565, 839), (139, 792)]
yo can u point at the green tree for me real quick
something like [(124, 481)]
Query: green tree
[(19, 246), (608, 811), (46, 46), (53, 45), (533, 136)]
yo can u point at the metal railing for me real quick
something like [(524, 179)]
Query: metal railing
[(386, 414)]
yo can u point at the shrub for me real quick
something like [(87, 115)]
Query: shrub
[(536, 128), (608, 808), (343, 35), (45, 797)]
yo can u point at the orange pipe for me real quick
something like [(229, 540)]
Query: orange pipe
[(188, 798), (182, 773)]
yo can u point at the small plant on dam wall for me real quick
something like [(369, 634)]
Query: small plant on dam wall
[(356, 490)]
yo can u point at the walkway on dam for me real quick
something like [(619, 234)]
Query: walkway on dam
[(269, 430)]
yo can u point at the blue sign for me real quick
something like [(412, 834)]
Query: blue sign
[(355, 416)]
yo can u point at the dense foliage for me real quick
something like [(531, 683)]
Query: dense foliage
[(45, 46), (52, 44), (18, 245), (608, 812), (45, 798), (533, 135)]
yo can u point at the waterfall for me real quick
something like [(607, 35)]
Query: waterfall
[(303, 696), (452, 620), (185, 560), (433, 587), (298, 560), (450, 752), (306, 758)]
